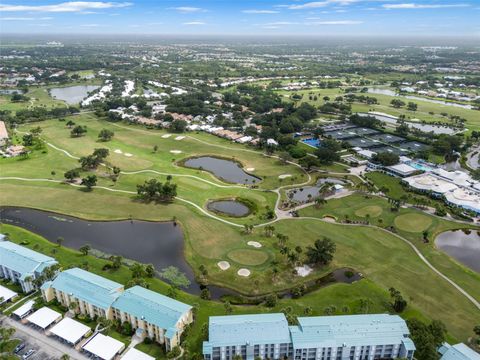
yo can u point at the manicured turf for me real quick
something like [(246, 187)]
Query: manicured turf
[(384, 259), (413, 222), (372, 211), (248, 257)]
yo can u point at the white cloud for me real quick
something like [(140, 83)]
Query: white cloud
[(280, 23), (91, 25), (422, 6), (188, 9), (319, 4), (24, 18), (254, 11), (70, 6), (194, 23), (336, 22)]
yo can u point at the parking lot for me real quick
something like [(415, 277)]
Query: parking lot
[(46, 348)]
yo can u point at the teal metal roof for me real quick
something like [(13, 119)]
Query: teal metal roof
[(88, 287), (247, 329), (350, 330), (152, 307), (23, 260), (457, 352)]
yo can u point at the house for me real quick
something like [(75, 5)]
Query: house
[(3, 134), (457, 352), (159, 317), (92, 294), (22, 265), (379, 336)]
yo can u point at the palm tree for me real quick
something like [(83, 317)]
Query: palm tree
[(269, 230), (85, 249), (60, 241), (322, 251)]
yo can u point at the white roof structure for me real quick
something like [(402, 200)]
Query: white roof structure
[(402, 169), (104, 347), (70, 330), (134, 354), (465, 198), (44, 317), (429, 182), (23, 310), (6, 294), (366, 153)]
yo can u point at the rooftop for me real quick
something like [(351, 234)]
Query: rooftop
[(152, 307), (350, 330), (104, 347), (247, 329), (457, 352), (88, 287), (22, 259)]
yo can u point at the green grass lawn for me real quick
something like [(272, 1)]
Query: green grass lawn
[(384, 259)]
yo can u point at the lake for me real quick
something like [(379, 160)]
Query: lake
[(437, 129), (229, 207), (418, 98), (72, 95), (461, 246), (302, 194), (227, 170), (157, 243)]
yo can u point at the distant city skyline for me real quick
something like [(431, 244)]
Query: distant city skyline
[(268, 17)]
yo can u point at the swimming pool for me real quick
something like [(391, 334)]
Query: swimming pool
[(312, 142), (420, 166)]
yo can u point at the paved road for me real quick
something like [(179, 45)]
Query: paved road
[(473, 158), (46, 347)]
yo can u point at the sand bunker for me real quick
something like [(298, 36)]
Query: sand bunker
[(180, 138), (166, 136), (244, 272), (250, 169), (223, 265), (254, 244), (329, 219), (303, 270), (118, 151), (176, 151), (128, 154), (284, 176)]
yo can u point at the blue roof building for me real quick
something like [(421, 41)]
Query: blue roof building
[(324, 337), (93, 294), (262, 335), (159, 316), (22, 265), (457, 352)]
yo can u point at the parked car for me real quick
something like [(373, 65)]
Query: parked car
[(28, 354), (19, 348)]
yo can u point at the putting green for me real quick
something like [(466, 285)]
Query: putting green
[(372, 210), (413, 222), (248, 256)]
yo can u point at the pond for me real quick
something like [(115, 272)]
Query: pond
[(390, 92), (227, 170), (157, 243), (462, 245), (229, 207), (302, 194), (10, 91), (72, 95), (437, 129)]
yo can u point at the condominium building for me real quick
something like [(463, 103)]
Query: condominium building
[(457, 352), (93, 295), (251, 336), (352, 337), (158, 317), (22, 265)]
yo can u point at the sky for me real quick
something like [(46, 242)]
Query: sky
[(244, 17)]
